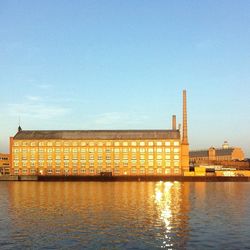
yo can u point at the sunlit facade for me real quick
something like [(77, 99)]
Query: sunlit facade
[(99, 152)]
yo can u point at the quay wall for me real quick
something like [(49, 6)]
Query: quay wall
[(128, 178)]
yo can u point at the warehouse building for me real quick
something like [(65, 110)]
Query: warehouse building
[(101, 152)]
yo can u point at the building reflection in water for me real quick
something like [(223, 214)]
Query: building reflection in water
[(94, 214), (171, 199)]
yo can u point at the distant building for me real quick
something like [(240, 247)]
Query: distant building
[(101, 152), (225, 153), (4, 164)]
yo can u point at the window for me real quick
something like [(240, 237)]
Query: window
[(150, 157), (142, 143), (74, 150), (176, 150), (176, 163), (49, 144), (116, 143), (168, 163), (159, 157), (142, 170), (49, 171), (83, 143), (125, 143), (167, 150), (117, 170), (133, 143), (133, 150), (99, 150), (91, 144), (176, 143), (167, 143), (167, 171), (50, 150), (150, 144), (159, 143), (58, 171), (108, 143), (100, 144), (150, 163), (176, 171), (150, 170), (125, 150), (91, 150), (159, 170), (150, 150), (159, 150), (167, 157), (159, 163), (58, 144), (142, 150), (133, 170)]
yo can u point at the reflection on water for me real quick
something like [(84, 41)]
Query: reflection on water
[(124, 215), (172, 211)]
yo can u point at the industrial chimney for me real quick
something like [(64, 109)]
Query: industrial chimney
[(184, 125), (174, 122)]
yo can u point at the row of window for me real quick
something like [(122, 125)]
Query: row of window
[(99, 157), (97, 171), (98, 143), (99, 150), (117, 163)]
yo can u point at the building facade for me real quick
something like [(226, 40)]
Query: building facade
[(97, 152), (225, 153), (4, 164)]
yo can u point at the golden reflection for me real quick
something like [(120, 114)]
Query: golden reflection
[(172, 211)]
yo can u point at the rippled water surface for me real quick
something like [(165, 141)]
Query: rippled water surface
[(124, 215)]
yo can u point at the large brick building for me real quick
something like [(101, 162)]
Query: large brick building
[(95, 152), (225, 153)]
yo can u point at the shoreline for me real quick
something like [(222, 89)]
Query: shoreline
[(126, 178)]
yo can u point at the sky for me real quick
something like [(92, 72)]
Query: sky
[(123, 65)]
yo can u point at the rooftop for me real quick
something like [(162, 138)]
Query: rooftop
[(96, 134)]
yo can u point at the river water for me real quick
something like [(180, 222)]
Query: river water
[(124, 215)]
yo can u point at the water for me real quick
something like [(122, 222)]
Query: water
[(124, 215)]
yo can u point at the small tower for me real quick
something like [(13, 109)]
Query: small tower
[(19, 128), (225, 145)]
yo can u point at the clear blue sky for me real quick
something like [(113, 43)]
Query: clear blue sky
[(123, 64)]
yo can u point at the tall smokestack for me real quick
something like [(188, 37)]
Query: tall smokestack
[(184, 126), (174, 122)]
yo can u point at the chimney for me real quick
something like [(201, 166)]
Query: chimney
[(174, 122), (184, 125)]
